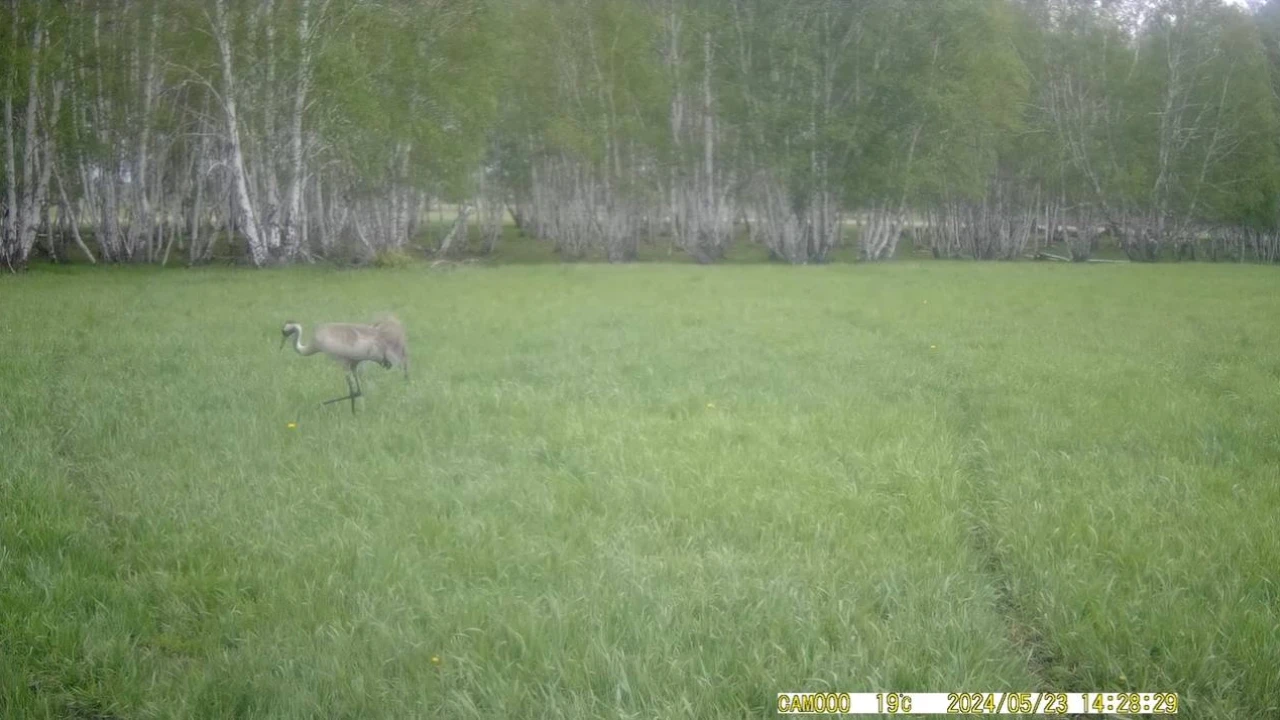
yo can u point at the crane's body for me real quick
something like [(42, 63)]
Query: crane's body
[(350, 344)]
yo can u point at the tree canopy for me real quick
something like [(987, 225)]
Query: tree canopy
[(312, 128)]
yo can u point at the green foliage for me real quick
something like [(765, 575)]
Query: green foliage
[(1158, 108), (408, 75), (1173, 121), (393, 258), (1245, 189), (583, 75), (967, 89)]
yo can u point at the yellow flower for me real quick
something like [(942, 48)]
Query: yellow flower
[(292, 426), (711, 405), (933, 347), (435, 660)]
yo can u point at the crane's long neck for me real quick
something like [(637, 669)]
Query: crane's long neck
[(302, 348)]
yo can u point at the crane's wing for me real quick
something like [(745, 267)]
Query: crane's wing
[(346, 341)]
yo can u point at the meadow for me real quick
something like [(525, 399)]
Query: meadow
[(644, 491)]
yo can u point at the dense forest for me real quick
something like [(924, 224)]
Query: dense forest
[(154, 131)]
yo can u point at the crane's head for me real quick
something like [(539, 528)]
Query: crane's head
[(290, 328)]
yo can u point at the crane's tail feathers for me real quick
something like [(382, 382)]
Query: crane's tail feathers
[(393, 337)]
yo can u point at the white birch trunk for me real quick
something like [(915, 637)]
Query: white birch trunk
[(9, 231), (140, 225), (459, 229), (196, 221), (28, 213), (678, 226), (72, 218), (39, 196), (293, 229), (270, 217), (109, 219), (249, 221)]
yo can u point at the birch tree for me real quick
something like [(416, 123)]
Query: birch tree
[(9, 230), (243, 201), (32, 107)]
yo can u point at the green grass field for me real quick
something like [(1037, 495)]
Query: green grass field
[(646, 491)]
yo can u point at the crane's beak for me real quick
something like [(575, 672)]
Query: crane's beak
[(282, 339)]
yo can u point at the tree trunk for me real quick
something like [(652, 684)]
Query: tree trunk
[(29, 212), (293, 229), (266, 167), (459, 228), (140, 224), (39, 196), (72, 219), (249, 221), (9, 231), (106, 177)]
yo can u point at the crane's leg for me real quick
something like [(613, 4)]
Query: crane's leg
[(355, 374), (353, 392)]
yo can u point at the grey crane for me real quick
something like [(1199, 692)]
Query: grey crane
[(381, 342)]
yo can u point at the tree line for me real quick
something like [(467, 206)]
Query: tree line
[(293, 130)]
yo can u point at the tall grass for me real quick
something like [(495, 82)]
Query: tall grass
[(639, 491)]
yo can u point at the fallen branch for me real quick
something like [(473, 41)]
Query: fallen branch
[(450, 264), (1059, 258)]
